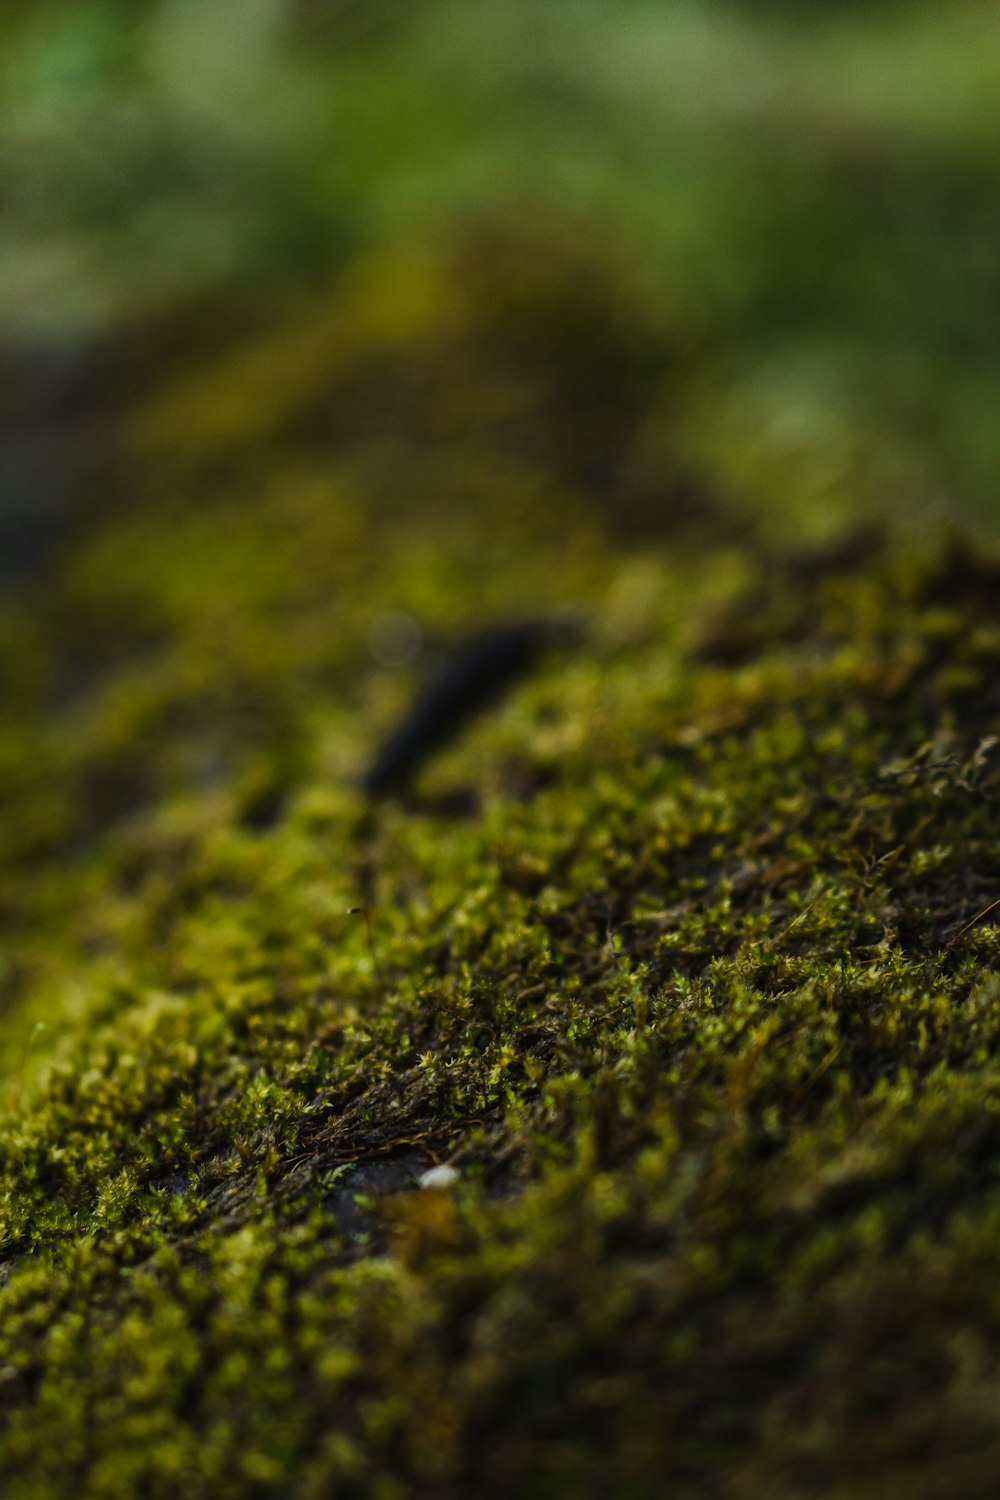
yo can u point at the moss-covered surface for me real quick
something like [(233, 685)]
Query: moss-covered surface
[(683, 953)]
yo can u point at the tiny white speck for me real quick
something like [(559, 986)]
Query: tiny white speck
[(439, 1177)]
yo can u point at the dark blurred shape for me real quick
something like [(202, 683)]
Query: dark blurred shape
[(471, 675), (804, 11), (348, 22), (48, 454)]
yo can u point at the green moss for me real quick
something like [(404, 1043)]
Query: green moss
[(678, 960)]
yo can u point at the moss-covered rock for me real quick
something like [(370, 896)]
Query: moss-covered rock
[(683, 956)]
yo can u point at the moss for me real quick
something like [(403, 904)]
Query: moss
[(684, 956)]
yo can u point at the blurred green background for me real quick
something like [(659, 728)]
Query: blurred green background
[(800, 198)]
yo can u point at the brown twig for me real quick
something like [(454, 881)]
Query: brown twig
[(972, 922)]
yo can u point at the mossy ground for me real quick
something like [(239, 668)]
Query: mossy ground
[(678, 951)]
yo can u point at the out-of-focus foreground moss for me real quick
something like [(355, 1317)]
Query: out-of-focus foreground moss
[(679, 958)]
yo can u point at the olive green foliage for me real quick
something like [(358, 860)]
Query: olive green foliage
[(681, 957), (816, 178)]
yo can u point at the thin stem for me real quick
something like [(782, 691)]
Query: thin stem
[(362, 911)]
